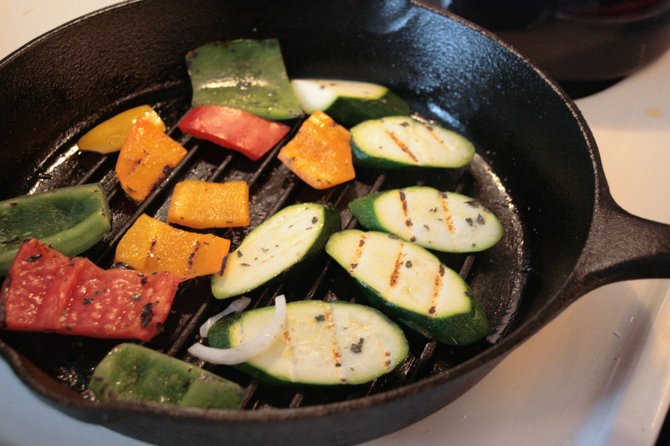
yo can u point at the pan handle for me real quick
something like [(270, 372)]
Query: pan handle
[(622, 246)]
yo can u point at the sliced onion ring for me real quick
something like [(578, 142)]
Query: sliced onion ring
[(235, 307), (247, 350)]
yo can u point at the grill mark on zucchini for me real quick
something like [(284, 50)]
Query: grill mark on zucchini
[(431, 132), (447, 215), (335, 345), (405, 210), (286, 336), (437, 285), (401, 145), (395, 275), (357, 254)]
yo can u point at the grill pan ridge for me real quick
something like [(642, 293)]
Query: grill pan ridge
[(536, 167)]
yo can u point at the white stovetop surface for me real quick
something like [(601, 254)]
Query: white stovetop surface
[(599, 374)]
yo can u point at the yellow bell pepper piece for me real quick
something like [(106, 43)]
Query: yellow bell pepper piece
[(110, 135), (151, 246), (201, 204)]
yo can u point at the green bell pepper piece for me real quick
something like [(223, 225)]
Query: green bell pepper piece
[(69, 219), (133, 372), (246, 74)]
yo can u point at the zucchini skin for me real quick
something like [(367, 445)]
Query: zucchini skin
[(364, 211), (364, 159), (352, 111), (332, 224), (219, 337), (351, 103)]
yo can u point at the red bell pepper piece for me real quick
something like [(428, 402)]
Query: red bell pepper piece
[(234, 129), (46, 291)]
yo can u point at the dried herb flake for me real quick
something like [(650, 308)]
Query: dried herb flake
[(357, 347)]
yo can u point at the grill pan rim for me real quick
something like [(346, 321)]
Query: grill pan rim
[(487, 358)]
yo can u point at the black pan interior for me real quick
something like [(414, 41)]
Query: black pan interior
[(496, 275), (533, 168)]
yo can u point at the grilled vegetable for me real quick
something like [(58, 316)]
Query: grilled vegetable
[(47, 291), (201, 204), (320, 153), (133, 372), (146, 157), (288, 238), (444, 221), (70, 219), (250, 348), (411, 285), (348, 102), (233, 129), (151, 246), (110, 135), (246, 74), (322, 343), (401, 141)]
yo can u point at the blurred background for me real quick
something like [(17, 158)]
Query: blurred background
[(587, 45)]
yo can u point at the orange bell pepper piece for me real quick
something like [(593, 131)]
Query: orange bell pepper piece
[(146, 157), (201, 204), (320, 153), (151, 246)]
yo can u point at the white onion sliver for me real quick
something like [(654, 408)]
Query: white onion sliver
[(235, 307), (247, 350)]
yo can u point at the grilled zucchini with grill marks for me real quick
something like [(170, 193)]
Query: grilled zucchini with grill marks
[(443, 221), (288, 238), (401, 141), (410, 284), (323, 343)]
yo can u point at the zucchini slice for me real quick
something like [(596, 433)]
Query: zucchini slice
[(402, 141), (322, 343), (348, 102), (443, 221), (411, 285), (291, 236)]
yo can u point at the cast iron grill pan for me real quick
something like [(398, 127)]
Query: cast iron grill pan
[(71, 360), (537, 168)]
